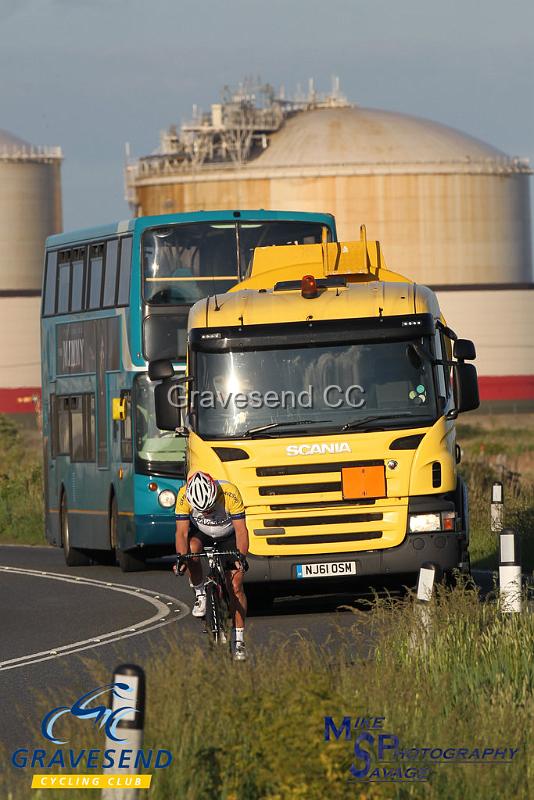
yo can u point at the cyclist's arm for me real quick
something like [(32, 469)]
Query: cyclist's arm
[(241, 535), (182, 531)]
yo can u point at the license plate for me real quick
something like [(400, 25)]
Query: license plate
[(329, 569)]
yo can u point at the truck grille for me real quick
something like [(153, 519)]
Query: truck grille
[(298, 488), (324, 538), (287, 522), (310, 469), (322, 504)]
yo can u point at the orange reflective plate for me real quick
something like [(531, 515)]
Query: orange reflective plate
[(360, 482)]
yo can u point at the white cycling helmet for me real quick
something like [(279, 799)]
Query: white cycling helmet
[(201, 491)]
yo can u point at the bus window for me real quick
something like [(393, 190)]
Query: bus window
[(110, 280), (183, 263), (77, 448), (266, 234), (96, 264), (160, 451), (90, 425), (63, 282), (62, 426), (123, 295), (77, 276), (50, 285)]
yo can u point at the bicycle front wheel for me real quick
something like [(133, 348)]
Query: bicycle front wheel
[(216, 615)]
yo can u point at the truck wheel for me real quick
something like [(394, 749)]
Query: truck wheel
[(260, 598), (73, 557)]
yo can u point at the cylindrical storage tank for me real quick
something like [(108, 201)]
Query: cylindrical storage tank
[(30, 210), (447, 208)]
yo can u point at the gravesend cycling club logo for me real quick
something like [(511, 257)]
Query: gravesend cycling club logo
[(101, 715), (109, 711)]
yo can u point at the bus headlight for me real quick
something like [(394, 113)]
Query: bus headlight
[(167, 498)]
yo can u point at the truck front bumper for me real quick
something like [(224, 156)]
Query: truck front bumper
[(447, 550)]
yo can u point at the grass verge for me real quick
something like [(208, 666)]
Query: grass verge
[(21, 485), (255, 731)]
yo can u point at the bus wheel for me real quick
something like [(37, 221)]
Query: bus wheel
[(129, 560), (73, 557)]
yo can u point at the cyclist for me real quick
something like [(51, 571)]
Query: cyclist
[(211, 513)]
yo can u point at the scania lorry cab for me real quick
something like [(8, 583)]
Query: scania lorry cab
[(326, 387)]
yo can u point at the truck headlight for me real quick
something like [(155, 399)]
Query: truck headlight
[(420, 523), (436, 521), (167, 498)]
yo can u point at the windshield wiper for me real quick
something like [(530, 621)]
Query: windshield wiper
[(271, 425), (357, 423)]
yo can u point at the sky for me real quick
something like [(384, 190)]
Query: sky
[(91, 75)]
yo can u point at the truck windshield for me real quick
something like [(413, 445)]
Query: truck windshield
[(183, 263), (162, 451), (239, 394)]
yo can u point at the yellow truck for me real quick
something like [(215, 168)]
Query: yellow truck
[(326, 387)]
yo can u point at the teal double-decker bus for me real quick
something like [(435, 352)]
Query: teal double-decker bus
[(114, 298)]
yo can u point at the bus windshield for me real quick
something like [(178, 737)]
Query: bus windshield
[(162, 450), (268, 391), (184, 263)]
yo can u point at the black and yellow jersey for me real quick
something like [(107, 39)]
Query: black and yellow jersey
[(218, 522)]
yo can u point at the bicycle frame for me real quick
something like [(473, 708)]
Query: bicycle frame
[(217, 595)]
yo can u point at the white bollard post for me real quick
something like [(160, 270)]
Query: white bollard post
[(497, 507), (425, 588), (509, 573), (129, 727), (425, 584)]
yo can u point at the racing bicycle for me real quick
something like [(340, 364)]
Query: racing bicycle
[(218, 613)]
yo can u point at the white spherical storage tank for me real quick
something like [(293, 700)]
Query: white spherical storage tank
[(30, 210), (450, 211)]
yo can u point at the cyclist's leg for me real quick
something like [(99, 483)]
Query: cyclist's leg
[(196, 545), (238, 598)]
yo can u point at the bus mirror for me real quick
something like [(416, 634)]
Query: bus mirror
[(464, 350), (169, 400), (118, 410), (465, 387), (160, 370)]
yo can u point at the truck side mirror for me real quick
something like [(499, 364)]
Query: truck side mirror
[(465, 387), (169, 401), (464, 350), (160, 370)]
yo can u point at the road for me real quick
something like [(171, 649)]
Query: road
[(55, 617)]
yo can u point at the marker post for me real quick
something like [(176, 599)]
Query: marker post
[(129, 728), (497, 507), (509, 572), (425, 589)]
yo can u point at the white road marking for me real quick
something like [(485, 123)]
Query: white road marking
[(163, 616)]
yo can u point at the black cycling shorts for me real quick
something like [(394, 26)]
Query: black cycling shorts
[(228, 543)]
